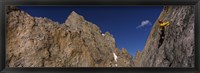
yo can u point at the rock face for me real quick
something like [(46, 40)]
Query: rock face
[(176, 48), (41, 42)]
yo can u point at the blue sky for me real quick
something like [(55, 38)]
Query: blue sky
[(130, 25)]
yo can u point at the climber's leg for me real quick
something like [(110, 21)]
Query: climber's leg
[(161, 38)]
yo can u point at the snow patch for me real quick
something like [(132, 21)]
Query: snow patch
[(103, 34), (115, 56)]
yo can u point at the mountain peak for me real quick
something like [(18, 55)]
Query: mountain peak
[(74, 13), (74, 18), (78, 45)]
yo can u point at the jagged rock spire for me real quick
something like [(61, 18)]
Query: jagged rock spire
[(78, 45), (74, 18)]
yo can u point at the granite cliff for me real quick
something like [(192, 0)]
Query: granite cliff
[(41, 42), (176, 48)]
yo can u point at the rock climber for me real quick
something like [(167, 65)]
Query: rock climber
[(162, 25)]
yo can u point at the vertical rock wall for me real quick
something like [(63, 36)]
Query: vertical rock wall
[(176, 48)]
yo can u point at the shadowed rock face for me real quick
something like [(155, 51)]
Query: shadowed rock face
[(176, 47), (41, 42)]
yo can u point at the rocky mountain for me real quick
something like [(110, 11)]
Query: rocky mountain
[(176, 48), (41, 42)]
